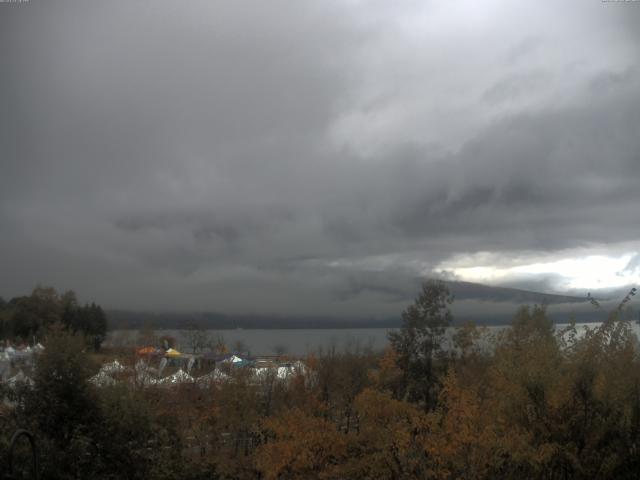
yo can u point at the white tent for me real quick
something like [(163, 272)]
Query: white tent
[(192, 361), (163, 364), (144, 374), (141, 366), (102, 379), (260, 371), (113, 367), (299, 367), (179, 377), (212, 377), (233, 359), (144, 379), (284, 372)]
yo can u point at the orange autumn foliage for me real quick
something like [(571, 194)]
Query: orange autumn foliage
[(300, 446), (459, 443), (388, 442)]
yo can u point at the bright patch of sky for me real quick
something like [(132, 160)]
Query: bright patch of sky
[(574, 273)]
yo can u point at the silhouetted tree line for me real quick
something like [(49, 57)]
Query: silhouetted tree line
[(529, 401), (27, 317)]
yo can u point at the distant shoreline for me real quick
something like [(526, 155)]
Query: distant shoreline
[(326, 326), (293, 341)]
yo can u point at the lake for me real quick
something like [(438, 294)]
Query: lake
[(296, 341), (268, 341)]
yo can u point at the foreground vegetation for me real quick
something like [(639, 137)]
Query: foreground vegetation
[(529, 402)]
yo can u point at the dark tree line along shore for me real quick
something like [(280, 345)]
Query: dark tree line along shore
[(27, 318)]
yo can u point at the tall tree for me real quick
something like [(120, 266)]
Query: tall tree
[(418, 342), (96, 325), (34, 312)]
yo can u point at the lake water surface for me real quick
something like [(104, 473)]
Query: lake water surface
[(298, 341)]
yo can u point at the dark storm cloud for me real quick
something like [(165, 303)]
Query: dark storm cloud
[(304, 157)]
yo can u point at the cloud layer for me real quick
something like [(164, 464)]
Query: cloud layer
[(310, 157)]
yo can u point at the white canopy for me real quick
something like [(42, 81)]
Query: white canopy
[(281, 373), (102, 379), (179, 377), (113, 367), (233, 359), (213, 376)]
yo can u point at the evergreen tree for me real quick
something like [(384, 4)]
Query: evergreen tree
[(418, 342)]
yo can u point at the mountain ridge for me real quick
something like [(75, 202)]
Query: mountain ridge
[(466, 292)]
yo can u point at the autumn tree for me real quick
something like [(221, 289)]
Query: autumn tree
[(388, 376), (460, 442), (133, 439), (389, 441), (339, 377), (300, 446), (235, 423)]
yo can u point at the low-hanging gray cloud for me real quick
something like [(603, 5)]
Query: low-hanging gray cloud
[(303, 157)]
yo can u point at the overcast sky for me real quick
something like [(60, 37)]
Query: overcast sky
[(316, 157)]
